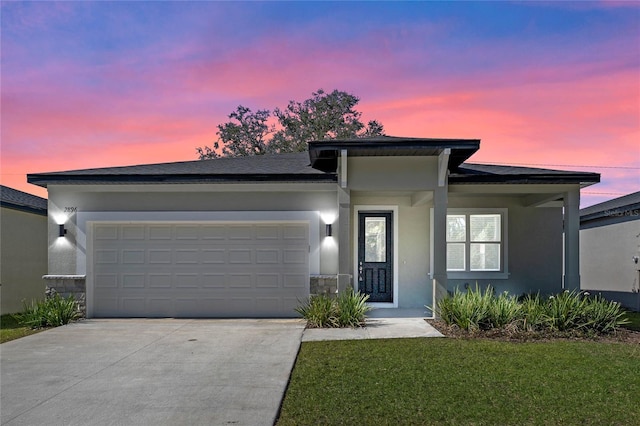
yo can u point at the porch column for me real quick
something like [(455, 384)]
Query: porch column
[(440, 202), (572, 240), (344, 252)]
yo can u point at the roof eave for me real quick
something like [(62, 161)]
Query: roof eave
[(23, 208), (583, 180), (44, 180)]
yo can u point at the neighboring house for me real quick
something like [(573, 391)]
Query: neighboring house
[(23, 248), (403, 219), (610, 249)]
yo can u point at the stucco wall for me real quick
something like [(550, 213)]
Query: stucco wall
[(68, 203), (392, 173), (23, 261), (535, 250), (606, 254)]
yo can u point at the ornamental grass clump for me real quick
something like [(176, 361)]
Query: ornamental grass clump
[(348, 309), (569, 311), (53, 311), (532, 313), (504, 311), (318, 311), (351, 308), (564, 311), (468, 310), (601, 315)]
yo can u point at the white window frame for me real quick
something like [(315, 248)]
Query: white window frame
[(503, 273)]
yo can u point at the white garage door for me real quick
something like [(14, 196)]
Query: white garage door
[(199, 269)]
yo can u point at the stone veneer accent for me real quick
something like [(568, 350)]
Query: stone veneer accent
[(67, 285), (323, 284)]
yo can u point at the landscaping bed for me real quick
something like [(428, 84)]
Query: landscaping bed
[(622, 335)]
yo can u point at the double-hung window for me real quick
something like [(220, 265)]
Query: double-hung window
[(476, 242)]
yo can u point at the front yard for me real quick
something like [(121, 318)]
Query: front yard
[(447, 381), (11, 330)]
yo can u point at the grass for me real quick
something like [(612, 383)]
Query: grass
[(634, 320), (463, 382), (11, 330)]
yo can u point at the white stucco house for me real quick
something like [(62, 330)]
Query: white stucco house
[(23, 248), (402, 219), (610, 249)]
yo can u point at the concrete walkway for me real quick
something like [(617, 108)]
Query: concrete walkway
[(149, 372), (381, 324)]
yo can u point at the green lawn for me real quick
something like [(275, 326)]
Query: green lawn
[(10, 329), (634, 318), (463, 382)]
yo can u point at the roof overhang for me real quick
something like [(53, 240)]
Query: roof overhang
[(324, 154), (46, 179)]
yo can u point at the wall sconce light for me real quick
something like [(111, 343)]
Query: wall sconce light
[(61, 231), (328, 230)]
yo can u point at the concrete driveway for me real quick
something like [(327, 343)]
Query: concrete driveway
[(149, 372)]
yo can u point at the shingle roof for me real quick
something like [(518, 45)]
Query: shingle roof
[(621, 208), (469, 173), (18, 200), (290, 167)]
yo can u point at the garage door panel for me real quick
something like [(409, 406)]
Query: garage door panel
[(187, 280), (268, 280), (199, 270), (295, 232), (159, 307), (240, 256), (133, 280), (134, 256), (159, 232), (214, 256), (295, 281), (106, 257), (297, 256), (106, 281), (240, 232), (213, 280), (135, 306), (160, 280), (268, 256), (268, 232), (186, 256), (160, 256), (133, 232)]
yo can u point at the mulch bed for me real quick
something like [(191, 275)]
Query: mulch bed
[(621, 336)]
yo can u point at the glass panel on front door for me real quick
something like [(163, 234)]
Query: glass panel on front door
[(375, 248)]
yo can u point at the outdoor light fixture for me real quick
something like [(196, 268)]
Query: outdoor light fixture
[(61, 230), (328, 230)]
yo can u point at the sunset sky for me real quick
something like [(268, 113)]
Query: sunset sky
[(99, 84)]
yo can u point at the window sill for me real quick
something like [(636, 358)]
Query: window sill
[(478, 275)]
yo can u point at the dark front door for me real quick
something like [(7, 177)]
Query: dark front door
[(375, 255)]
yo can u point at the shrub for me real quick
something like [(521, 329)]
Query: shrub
[(54, 311), (532, 317), (347, 310), (601, 315), (504, 311), (468, 310), (318, 311), (351, 308), (564, 312)]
